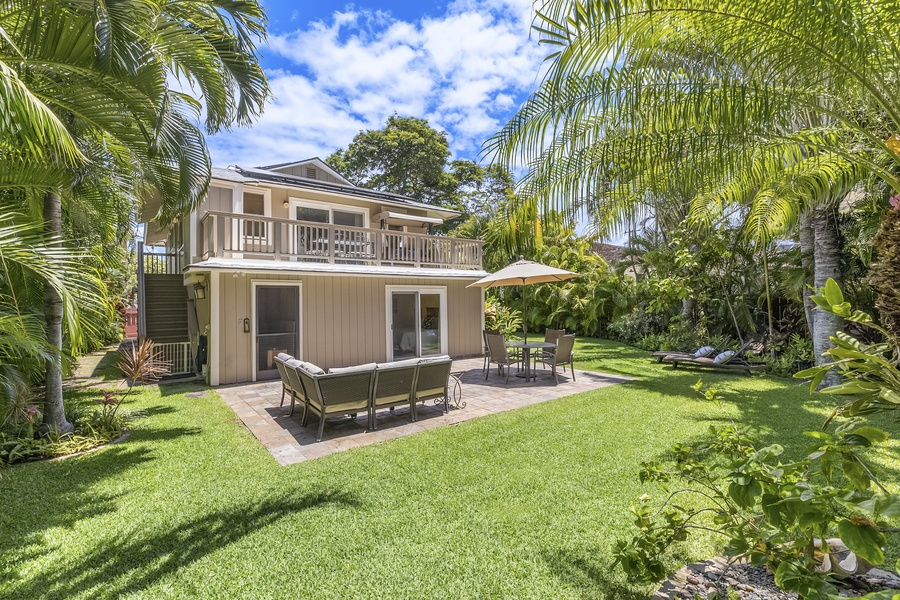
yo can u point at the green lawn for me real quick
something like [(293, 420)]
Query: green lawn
[(524, 504)]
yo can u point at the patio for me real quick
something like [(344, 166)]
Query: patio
[(257, 405)]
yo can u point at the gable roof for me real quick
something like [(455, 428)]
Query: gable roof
[(318, 162), (258, 174)]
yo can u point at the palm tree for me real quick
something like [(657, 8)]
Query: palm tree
[(741, 98), (92, 83)]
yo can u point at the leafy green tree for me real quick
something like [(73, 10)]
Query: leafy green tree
[(91, 85), (783, 108), (407, 156)]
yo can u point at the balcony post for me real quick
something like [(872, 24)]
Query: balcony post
[(219, 225), (379, 245), (419, 248), (454, 259), (276, 238), (332, 242)]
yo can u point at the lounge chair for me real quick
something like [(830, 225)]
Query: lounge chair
[(395, 385), (563, 355), (726, 361), (500, 356), (345, 391), (433, 381), (659, 355)]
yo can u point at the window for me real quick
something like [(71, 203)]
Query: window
[(320, 212)]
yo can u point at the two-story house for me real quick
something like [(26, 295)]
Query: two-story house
[(294, 258)]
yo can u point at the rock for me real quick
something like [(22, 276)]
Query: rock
[(731, 581), (747, 588), (693, 580)]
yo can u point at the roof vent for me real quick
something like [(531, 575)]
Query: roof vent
[(311, 172)]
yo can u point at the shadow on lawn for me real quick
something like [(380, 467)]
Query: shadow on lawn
[(123, 566), (588, 576)]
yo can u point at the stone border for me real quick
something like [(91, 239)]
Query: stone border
[(700, 578)]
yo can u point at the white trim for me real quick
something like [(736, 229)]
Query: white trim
[(440, 290), (360, 210), (261, 267), (213, 355), (256, 283), (482, 309)]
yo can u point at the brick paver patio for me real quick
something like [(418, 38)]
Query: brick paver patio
[(256, 405)]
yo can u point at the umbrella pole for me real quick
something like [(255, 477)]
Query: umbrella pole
[(525, 311)]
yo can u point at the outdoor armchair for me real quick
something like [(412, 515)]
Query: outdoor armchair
[(432, 381), (340, 392), (279, 364), (500, 356), (394, 386)]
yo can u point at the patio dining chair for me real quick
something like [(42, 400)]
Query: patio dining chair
[(500, 356), (551, 336), (433, 382), (563, 355), (487, 350)]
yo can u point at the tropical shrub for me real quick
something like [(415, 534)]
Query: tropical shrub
[(771, 510), (142, 363), (499, 317), (635, 326)]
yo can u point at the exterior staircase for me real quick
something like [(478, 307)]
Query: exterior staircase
[(163, 309), (166, 309)]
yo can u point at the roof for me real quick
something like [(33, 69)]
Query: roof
[(257, 174), (609, 252), (244, 264), (314, 160)]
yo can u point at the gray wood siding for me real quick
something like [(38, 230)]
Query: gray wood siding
[(343, 320)]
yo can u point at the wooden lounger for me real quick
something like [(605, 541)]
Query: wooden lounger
[(709, 363), (661, 354)]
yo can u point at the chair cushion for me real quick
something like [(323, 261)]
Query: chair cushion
[(284, 356), (353, 369), (293, 363), (704, 351), (410, 362), (431, 359), (311, 368), (430, 392), (724, 357)]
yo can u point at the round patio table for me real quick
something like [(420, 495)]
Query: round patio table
[(526, 354)]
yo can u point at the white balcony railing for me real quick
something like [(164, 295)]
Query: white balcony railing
[(228, 235)]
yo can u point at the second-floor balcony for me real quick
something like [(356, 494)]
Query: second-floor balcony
[(227, 235)]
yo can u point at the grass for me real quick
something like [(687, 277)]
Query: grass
[(522, 504)]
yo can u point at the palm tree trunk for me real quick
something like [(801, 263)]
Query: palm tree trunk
[(807, 263), (54, 411), (687, 311), (827, 265)]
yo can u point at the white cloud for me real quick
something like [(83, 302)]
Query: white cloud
[(465, 71)]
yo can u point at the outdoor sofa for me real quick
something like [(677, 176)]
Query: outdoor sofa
[(368, 387)]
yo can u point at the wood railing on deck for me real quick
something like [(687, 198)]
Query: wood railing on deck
[(228, 235)]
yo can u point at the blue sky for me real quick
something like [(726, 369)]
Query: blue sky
[(336, 68)]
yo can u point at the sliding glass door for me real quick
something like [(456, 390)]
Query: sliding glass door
[(417, 323)]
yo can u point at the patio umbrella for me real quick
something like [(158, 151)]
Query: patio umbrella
[(524, 272)]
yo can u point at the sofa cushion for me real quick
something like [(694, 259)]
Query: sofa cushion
[(410, 362), (353, 369), (293, 363), (283, 356), (311, 368), (431, 359)]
